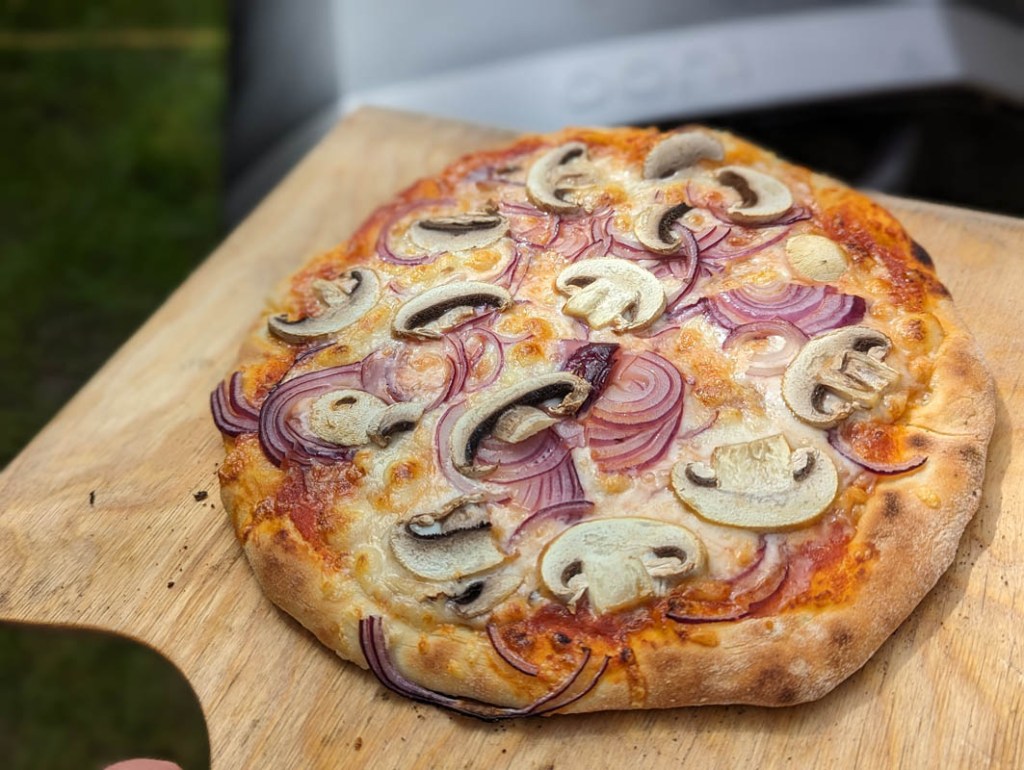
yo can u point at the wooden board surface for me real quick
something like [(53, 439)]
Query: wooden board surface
[(145, 558)]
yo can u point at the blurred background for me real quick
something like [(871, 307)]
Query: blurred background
[(137, 134)]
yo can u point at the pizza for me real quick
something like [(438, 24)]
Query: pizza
[(608, 419)]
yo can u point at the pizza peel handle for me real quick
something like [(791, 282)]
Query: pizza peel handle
[(103, 524)]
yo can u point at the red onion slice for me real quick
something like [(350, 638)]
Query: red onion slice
[(567, 512), (633, 422), (514, 272), (538, 472), (374, 647), (282, 434), (812, 309), (508, 655), (593, 362), (443, 454), (392, 373), (841, 444), (232, 413), (576, 239), (739, 242), (482, 346), (530, 226), (749, 590), (767, 362)]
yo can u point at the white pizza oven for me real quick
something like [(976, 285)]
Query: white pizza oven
[(537, 65)]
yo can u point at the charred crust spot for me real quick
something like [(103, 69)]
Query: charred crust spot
[(841, 638), (921, 255), (626, 655), (971, 454), (561, 638), (777, 684), (891, 507), (918, 441)]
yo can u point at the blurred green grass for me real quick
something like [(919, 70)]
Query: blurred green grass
[(110, 184), (81, 699), (110, 193)]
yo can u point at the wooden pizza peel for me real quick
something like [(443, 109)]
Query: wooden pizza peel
[(946, 690)]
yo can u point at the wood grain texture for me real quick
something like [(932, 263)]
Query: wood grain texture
[(946, 689)]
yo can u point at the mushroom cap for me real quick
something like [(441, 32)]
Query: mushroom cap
[(346, 416), (448, 545), (836, 373), (679, 152), (653, 228), (482, 419), (438, 309), (475, 595), (521, 422), (816, 257), (395, 418), (350, 417), (459, 232), (609, 291), (345, 300), (764, 198), (759, 484), (618, 562), (557, 172)]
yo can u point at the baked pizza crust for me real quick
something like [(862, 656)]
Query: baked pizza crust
[(906, 536)]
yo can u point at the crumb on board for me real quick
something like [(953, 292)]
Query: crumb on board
[(201, 495), (92, 497), (170, 584)]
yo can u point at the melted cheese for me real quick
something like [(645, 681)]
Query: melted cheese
[(404, 478)]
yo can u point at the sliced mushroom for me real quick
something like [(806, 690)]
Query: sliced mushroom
[(478, 594), (609, 291), (473, 230), (763, 198), (816, 257), (520, 422), (837, 373), (435, 311), (760, 484), (349, 417), (567, 390), (462, 513), (618, 562), (680, 152), (653, 228), (557, 174), (431, 547), (395, 419), (345, 301)]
